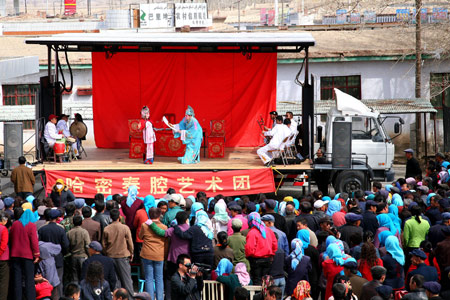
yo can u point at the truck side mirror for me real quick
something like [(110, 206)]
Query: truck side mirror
[(397, 128)]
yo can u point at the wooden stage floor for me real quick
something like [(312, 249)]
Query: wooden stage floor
[(117, 160)]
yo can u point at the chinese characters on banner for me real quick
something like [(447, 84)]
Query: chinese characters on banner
[(192, 14), (156, 15), (227, 183)]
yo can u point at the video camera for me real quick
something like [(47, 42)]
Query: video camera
[(204, 268)]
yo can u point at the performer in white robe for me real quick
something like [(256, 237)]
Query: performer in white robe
[(278, 133), (148, 134)]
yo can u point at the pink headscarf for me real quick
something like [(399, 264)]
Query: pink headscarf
[(241, 271)]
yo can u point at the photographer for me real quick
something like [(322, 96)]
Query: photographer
[(187, 282)]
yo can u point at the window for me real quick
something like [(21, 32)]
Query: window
[(364, 128), (348, 84), (440, 92), (21, 94)]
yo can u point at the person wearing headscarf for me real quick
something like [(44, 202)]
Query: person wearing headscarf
[(61, 195), (224, 268), (220, 218), (302, 291), (386, 223), (142, 216), (332, 265), (261, 245), (197, 206), (130, 205), (200, 236), (397, 200), (334, 211), (239, 278), (314, 256), (24, 253), (191, 134), (148, 134), (394, 261), (298, 266)]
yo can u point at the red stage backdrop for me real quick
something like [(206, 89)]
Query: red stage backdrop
[(227, 183), (218, 86)]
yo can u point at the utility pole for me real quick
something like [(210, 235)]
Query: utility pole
[(418, 73)]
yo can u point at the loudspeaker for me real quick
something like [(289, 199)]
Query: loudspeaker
[(342, 145), (50, 99), (13, 139)]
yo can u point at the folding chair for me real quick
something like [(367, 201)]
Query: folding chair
[(213, 290), (280, 152)]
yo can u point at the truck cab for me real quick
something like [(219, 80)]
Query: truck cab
[(371, 147)]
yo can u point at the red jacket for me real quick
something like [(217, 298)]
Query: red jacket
[(259, 247), (23, 241), (364, 268), (330, 270), (4, 249)]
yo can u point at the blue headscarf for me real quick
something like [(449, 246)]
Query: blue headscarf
[(109, 198), (393, 214), (336, 196), (224, 267), (333, 207), (431, 195), (330, 239), (28, 216), (296, 203), (388, 187), (202, 220), (30, 198), (132, 193), (297, 253), (149, 202), (303, 235), (335, 253), (197, 206), (192, 198), (385, 221), (393, 247), (382, 236), (209, 200), (326, 198), (397, 200), (220, 211)]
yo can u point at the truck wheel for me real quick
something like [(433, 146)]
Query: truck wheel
[(4, 172), (349, 181)]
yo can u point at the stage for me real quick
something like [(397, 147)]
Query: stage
[(104, 160)]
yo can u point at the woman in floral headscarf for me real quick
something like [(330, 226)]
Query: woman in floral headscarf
[(302, 291), (261, 245), (298, 266)]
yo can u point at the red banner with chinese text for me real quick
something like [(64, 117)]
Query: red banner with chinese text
[(227, 183)]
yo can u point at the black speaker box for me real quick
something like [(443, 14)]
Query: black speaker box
[(13, 140), (50, 99), (342, 145)]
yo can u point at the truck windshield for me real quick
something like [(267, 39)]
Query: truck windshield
[(366, 128)]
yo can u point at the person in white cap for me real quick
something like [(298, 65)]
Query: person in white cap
[(320, 207)]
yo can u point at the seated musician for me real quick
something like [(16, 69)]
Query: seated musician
[(278, 133), (50, 132), (273, 117), (63, 128)]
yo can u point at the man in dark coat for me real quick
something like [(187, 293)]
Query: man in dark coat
[(412, 165), (351, 227), (95, 249), (54, 233), (370, 221), (418, 258), (369, 288)]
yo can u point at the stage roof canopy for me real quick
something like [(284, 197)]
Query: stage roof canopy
[(208, 42)]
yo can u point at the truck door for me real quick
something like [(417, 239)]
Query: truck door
[(368, 140)]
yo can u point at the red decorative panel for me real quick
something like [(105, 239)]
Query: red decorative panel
[(133, 126), (137, 148), (216, 147), (217, 127), (167, 145)]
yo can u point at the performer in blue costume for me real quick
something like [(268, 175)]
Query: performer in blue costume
[(191, 133)]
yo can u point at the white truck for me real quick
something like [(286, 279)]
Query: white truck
[(372, 150)]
